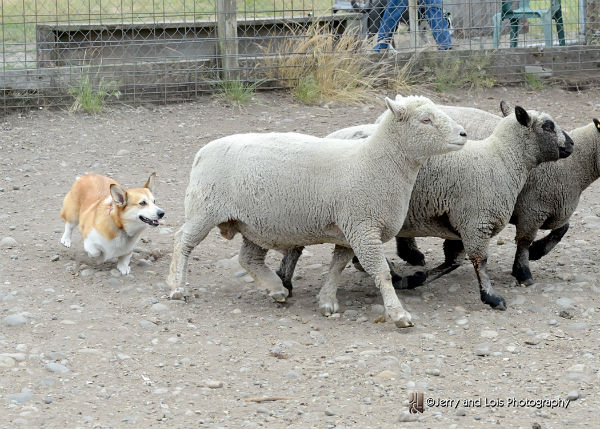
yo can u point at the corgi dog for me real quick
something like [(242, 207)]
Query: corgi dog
[(110, 218)]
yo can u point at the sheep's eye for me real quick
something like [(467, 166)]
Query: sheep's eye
[(426, 121), (142, 203), (548, 126)]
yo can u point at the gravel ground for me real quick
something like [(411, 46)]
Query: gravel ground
[(82, 346)]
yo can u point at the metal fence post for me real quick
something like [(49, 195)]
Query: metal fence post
[(227, 43)]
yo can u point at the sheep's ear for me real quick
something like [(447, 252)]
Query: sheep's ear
[(504, 108), (398, 110), (399, 97), (151, 182), (597, 124), (522, 116), (118, 195)]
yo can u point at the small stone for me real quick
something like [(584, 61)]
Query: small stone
[(8, 243), (482, 349), (533, 341), (462, 322), (565, 303), (115, 273), (143, 263), (487, 333), (240, 273), (54, 258), (47, 400), (292, 374), (461, 412), (159, 307), (362, 319), (147, 324), (122, 152), (236, 311), (56, 367), (328, 412), (407, 417), (565, 314), (14, 320), (7, 362), (114, 282), (573, 395), (20, 398), (86, 273), (386, 374), (432, 371), (214, 384)]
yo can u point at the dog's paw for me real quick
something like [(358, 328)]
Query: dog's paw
[(124, 269), (65, 242)]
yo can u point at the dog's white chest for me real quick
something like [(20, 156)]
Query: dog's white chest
[(96, 245)]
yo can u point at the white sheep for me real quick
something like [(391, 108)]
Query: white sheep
[(469, 196), (282, 190)]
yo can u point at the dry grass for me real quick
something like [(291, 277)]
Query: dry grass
[(322, 66)]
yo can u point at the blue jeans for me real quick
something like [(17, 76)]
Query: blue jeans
[(395, 9)]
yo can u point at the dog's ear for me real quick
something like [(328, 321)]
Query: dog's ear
[(151, 182), (118, 195)]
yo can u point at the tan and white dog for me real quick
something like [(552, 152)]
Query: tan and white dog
[(110, 218)]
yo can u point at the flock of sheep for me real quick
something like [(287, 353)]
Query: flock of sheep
[(411, 174)]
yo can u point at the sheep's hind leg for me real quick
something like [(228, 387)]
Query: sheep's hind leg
[(252, 258), (288, 266), (368, 247), (189, 236), (407, 250), (328, 303), (477, 252), (543, 246), (407, 282), (454, 252), (520, 269)]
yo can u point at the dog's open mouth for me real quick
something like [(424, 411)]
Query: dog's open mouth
[(151, 222)]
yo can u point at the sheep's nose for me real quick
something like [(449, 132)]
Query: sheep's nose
[(463, 134), (160, 214)]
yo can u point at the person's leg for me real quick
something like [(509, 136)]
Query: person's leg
[(389, 22), (439, 26)]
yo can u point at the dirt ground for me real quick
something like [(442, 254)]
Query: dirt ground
[(82, 346)]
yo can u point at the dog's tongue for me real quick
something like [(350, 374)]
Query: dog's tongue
[(154, 222)]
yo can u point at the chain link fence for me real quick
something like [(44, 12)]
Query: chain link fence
[(167, 50)]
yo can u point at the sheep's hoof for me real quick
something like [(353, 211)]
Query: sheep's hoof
[(404, 322), (329, 309), (280, 295), (526, 282), (179, 295), (495, 301)]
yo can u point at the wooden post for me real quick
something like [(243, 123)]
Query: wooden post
[(228, 43), (412, 22)]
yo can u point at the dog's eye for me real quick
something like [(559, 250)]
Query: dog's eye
[(142, 203)]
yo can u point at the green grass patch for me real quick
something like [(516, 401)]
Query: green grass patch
[(237, 92), (452, 73), (92, 98), (533, 81), (307, 90)]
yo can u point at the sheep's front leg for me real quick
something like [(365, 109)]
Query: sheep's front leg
[(328, 302), (477, 252), (188, 237), (288, 266), (368, 247), (252, 258), (543, 246)]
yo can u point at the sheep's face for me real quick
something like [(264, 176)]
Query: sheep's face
[(549, 140), (432, 131)]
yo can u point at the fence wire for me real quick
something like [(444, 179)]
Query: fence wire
[(166, 50)]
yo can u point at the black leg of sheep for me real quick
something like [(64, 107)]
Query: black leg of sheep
[(520, 269), (407, 282), (407, 250), (287, 267), (543, 246)]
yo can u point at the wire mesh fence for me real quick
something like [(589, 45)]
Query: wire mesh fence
[(164, 50)]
